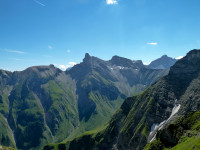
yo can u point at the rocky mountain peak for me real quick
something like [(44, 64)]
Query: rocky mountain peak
[(87, 57), (164, 62), (41, 68), (41, 72), (124, 62), (120, 61), (193, 54), (165, 56), (189, 64), (138, 63), (184, 71)]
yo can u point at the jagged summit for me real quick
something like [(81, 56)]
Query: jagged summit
[(87, 59), (91, 60), (87, 56)]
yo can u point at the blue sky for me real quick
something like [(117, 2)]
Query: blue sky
[(60, 32)]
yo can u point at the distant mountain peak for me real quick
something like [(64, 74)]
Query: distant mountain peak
[(124, 62), (116, 58), (87, 58), (164, 62), (165, 56), (87, 55), (51, 65), (41, 67)]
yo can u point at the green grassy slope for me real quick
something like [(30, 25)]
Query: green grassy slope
[(104, 99), (6, 133)]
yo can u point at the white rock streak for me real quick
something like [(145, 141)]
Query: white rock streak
[(154, 127), (158, 127), (161, 125), (174, 110), (154, 137)]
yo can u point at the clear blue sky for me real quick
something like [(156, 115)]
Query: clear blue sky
[(43, 32)]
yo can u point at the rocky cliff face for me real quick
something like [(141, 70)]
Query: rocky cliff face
[(141, 117)]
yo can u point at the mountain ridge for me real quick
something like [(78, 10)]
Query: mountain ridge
[(117, 61)]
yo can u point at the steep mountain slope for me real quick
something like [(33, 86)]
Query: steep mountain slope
[(102, 86), (98, 96), (43, 104), (141, 117), (164, 62), (6, 134)]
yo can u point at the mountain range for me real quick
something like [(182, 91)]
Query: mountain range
[(43, 104), (165, 115)]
